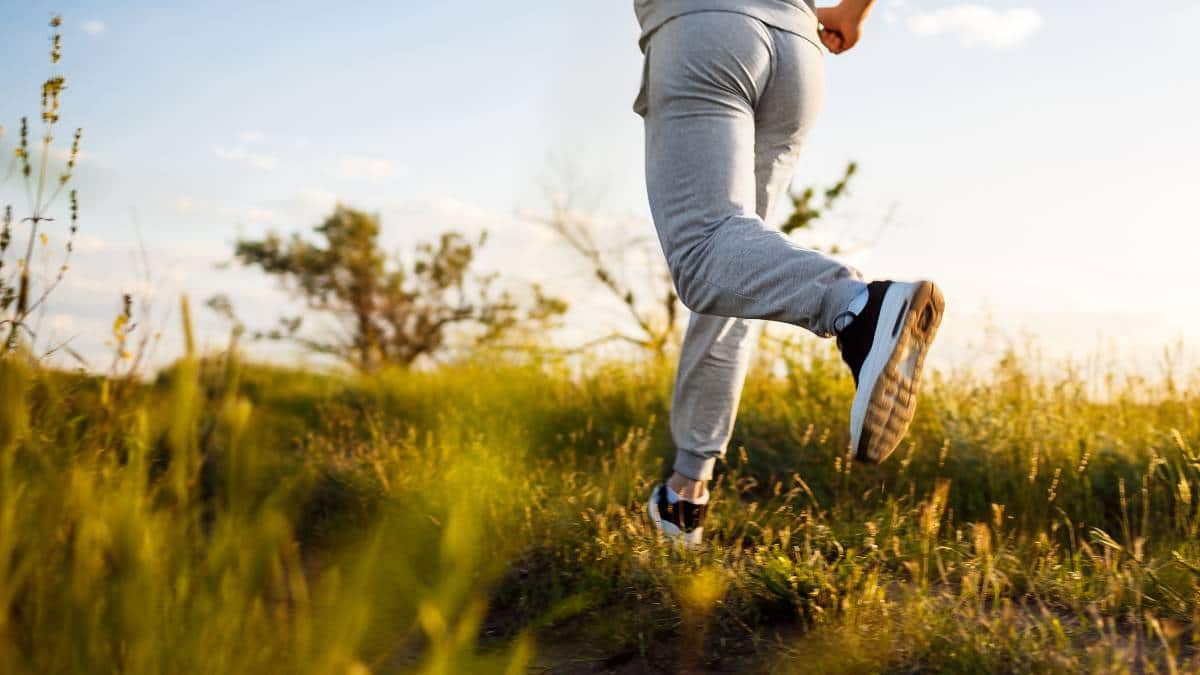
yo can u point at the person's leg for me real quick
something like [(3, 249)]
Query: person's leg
[(728, 101), (782, 84), (713, 361), (710, 75)]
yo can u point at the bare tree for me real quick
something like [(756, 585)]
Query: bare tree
[(651, 303), (652, 306)]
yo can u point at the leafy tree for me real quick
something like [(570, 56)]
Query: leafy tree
[(388, 312)]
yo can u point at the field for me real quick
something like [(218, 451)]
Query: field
[(465, 491), (489, 517)]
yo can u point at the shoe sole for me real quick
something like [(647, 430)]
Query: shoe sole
[(890, 377)]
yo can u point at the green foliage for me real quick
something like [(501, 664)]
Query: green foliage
[(484, 517), (488, 516), (388, 312)]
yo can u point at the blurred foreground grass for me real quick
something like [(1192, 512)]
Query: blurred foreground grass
[(230, 518)]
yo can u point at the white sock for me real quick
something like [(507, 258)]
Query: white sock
[(673, 497), (856, 306)]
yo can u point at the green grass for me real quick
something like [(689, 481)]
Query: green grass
[(485, 517)]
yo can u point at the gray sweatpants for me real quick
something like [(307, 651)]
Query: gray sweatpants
[(727, 102)]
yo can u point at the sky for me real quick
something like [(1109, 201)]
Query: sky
[(1040, 161)]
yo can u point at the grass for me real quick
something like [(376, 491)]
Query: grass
[(488, 517)]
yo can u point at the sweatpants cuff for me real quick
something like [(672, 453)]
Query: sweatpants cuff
[(837, 299), (694, 466)]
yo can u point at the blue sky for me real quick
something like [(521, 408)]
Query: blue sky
[(1042, 159)]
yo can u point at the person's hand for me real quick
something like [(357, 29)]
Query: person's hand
[(841, 25)]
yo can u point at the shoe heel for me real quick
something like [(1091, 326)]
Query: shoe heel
[(929, 301)]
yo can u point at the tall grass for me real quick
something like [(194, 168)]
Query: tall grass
[(489, 518)]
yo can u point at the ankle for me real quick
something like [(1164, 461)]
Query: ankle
[(856, 306), (687, 488)]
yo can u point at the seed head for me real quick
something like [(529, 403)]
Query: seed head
[(23, 148), (1083, 461), (72, 159), (74, 211), (1052, 493), (51, 89), (6, 232)]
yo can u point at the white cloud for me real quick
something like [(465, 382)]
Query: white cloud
[(62, 322), (894, 9), (255, 216), (87, 243), (317, 199), (252, 136), (458, 212), (254, 159), (978, 25), (93, 27), (62, 153), (250, 216), (244, 215), (108, 286), (188, 206), (362, 167)]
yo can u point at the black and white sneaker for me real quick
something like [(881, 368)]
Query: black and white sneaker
[(885, 347), (682, 521)]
